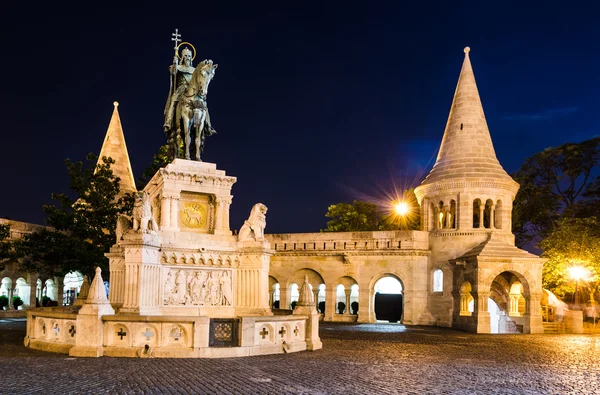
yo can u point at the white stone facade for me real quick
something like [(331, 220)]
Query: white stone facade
[(465, 245)]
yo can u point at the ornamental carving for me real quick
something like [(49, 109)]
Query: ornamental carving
[(198, 288), (193, 215)]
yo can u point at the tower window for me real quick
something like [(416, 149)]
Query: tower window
[(461, 126)]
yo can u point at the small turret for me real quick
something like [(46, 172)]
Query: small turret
[(467, 187)]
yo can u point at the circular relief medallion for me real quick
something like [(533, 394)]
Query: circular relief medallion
[(193, 215)]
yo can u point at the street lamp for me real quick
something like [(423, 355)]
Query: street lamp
[(401, 208), (577, 273)]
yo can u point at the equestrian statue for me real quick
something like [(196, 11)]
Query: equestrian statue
[(187, 122)]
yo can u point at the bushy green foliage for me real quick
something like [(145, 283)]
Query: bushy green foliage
[(574, 242), (556, 183), (555, 209), (5, 245), (160, 159), (17, 301), (84, 226), (3, 301), (366, 216), (354, 217)]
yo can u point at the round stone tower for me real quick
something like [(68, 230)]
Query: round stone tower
[(467, 188)]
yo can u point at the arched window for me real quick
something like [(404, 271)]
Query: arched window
[(340, 297), (294, 294), (466, 299), (438, 281), (477, 214), (487, 214)]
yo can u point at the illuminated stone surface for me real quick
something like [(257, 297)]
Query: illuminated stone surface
[(364, 359)]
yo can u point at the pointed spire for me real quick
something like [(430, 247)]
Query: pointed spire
[(466, 151), (83, 292), (114, 146), (97, 292)]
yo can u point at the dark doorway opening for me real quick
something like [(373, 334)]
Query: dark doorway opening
[(388, 307)]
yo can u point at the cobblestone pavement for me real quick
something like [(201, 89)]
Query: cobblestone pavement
[(356, 359)]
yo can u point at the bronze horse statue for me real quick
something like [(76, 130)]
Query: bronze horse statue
[(191, 114)]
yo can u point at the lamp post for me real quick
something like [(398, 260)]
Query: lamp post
[(577, 273)]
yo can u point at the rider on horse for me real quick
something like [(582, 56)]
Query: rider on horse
[(183, 73)]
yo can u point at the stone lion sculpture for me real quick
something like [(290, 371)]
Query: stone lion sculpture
[(254, 226), (143, 219)]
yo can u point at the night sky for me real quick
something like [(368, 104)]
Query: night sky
[(313, 104)]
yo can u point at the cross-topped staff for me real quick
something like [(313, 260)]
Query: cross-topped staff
[(177, 38)]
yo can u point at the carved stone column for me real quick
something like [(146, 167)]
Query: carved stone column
[(464, 304), (481, 212), (175, 212), (316, 296), (436, 222), (481, 312), (13, 284), (330, 302), (116, 293), (347, 292), (59, 284), (284, 298), (32, 290), (165, 212), (219, 215), (492, 215), (513, 308), (226, 205), (533, 316)]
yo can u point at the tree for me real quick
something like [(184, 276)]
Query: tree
[(84, 227), (5, 244), (575, 241), (354, 217), (366, 216), (159, 160), (556, 183)]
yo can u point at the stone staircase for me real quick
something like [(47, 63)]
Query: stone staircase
[(553, 327)]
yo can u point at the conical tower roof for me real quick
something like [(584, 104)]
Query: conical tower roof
[(467, 152), (114, 146)]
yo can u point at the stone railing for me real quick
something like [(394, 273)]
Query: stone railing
[(349, 241), (51, 329)]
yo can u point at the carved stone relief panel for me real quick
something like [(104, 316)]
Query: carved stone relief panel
[(195, 287), (194, 212)]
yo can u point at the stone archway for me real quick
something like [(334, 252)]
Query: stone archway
[(290, 293), (388, 298), (513, 292)]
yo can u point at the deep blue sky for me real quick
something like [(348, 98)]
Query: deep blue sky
[(313, 104)]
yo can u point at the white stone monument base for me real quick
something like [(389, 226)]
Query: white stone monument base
[(65, 331)]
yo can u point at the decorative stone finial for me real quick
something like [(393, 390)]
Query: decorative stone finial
[(97, 292), (467, 50), (116, 104)]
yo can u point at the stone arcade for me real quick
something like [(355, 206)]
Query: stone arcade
[(463, 257)]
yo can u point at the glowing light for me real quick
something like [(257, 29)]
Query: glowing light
[(401, 208), (578, 273)]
